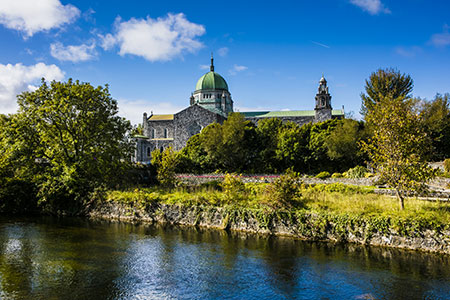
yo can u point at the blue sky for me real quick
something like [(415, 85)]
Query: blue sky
[(272, 54)]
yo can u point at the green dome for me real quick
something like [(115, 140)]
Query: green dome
[(211, 81)]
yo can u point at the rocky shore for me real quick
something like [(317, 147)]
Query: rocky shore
[(377, 231)]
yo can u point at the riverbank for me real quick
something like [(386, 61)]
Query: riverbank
[(355, 217)]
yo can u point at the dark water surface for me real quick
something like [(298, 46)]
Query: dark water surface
[(47, 258)]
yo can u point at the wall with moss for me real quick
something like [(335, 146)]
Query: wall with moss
[(371, 230)]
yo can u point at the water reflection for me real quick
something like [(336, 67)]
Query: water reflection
[(77, 259)]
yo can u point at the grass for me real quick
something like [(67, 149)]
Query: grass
[(332, 199)]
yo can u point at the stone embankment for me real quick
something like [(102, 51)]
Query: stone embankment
[(378, 231)]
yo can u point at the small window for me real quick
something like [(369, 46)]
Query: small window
[(165, 133), (149, 151), (161, 149), (153, 133)]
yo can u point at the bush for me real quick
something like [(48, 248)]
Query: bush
[(233, 187), (336, 175), (357, 172), (283, 191), (447, 165), (340, 188), (323, 175)]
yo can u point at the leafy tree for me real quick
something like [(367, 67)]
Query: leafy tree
[(319, 134), (231, 145), (267, 133), (68, 139), (385, 83), (399, 146), (165, 163), (194, 158), (292, 148), (343, 143), (435, 115)]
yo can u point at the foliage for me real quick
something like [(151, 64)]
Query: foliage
[(385, 83), (435, 116), (356, 172), (447, 165), (336, 175), (268, 131), (233, 187), (323, 175), (339, 188), (230, 146), (284, 191), (67, 140), (399, 146), (343, 143), (165, 163)]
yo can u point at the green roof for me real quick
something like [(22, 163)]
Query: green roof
[(211, 81), (287, 113)]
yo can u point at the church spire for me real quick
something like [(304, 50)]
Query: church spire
[(212, 63)]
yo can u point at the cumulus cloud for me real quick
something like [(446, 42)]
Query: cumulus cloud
[(223, 51), (441, 39), (18, 78), (236, 69), (72, 53), (31, 16), (373, 7), (133, 109), (159, 39)]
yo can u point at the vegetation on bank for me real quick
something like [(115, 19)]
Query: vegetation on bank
[(336, 203)]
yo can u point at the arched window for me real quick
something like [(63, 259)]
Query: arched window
[(161, 149), (153, 133), (165, 133), (149, 151)]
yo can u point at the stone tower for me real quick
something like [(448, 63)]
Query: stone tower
[(323, 107)]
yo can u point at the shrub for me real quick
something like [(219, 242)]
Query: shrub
[(447, 165), (339, 188), (323, 175), (284, 190), (165, 163), (336, 175), (233, 187), (357, 172)]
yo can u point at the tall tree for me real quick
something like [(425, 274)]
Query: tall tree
[(436, 118), (71, 136), (385, 83), (399, 146)]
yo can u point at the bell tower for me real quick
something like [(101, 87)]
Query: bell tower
[(323, 102)]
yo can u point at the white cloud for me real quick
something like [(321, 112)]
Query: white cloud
[(159, 39), (107, 41), (236, 69), (223, 51), (133, 109), (31, 16), (441, 39), (72, 53), (17, 78), (204, 67), (373, 7)]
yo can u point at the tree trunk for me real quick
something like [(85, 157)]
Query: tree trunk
[(401, 200)]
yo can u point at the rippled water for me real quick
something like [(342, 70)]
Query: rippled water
[(45, 258)]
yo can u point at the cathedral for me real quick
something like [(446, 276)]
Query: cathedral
[(211, 102)]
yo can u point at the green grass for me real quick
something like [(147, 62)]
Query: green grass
[(333, 201)]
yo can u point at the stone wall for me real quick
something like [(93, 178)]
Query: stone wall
[(303, 225), (191, 121)]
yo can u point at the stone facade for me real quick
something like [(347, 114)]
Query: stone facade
[(211, 102)]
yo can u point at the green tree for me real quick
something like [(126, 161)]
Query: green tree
[(231, 146), (435, 115), (343, 143), (166, 163), (68, 138), (293, 147), (267, 133), (399, 146), (385, 83)]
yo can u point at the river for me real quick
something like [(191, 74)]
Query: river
[(72, 258)]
